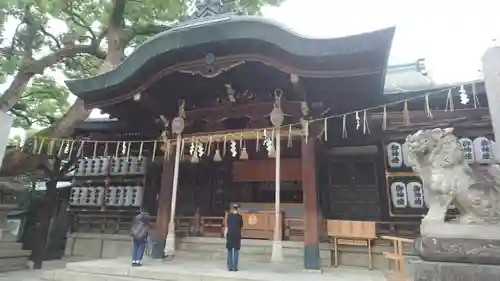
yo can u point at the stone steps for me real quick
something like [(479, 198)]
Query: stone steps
[(187, 270), (13, 263), (12, 257), (260, 251), (8, 246)]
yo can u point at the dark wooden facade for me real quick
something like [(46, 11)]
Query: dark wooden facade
[(345, 178)]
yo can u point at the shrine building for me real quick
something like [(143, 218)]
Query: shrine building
[(208, 90)]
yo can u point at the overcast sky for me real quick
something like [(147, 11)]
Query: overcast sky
[(450, 35)]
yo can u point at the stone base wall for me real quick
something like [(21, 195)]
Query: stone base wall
[(96, 245), (89, 245)]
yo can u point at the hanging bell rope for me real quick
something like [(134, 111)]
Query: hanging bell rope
[(450, 105), (366, 127), (428, 106), (406, 114), (344, 126), (384, 119), (474, 95), (325, 130)]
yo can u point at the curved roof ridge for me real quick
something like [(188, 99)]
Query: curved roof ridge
[(226, 28)]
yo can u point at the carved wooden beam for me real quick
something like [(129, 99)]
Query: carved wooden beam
[(253, 110), (148, 103), (299, 92)]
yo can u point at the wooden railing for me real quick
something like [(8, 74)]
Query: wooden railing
[(294, 229), (397, 257), (212, 226), (115, 222)]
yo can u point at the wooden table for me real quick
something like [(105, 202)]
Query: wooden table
[(354, 233)]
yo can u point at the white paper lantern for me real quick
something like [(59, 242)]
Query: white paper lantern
[(80, 171), (120, 196), (124, 165), (104, 166), (468, 149), (133, 165), (394, 152), (74, 196), (90, 199), (138, 194), (88, 166), (141, 165), (399, 197), (129, 195), (482, 150), (99, 196), (110, 196), (415, 194), (82, 197)]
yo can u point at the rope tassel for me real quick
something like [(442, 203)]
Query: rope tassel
[(406, 114), (450, 106), (428, 106)]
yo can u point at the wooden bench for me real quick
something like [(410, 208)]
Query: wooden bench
[(397, 257), (353, 233)]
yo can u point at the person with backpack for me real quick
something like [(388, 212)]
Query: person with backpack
[(139, 232), (234, 224)]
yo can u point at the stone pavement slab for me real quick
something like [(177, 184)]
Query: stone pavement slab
[(184, 270), (32, 275)]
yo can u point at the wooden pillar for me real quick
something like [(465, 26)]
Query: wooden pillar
[(310, 196), (164, 201)]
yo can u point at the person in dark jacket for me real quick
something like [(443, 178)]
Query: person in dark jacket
[(141, 226), (234, 225)]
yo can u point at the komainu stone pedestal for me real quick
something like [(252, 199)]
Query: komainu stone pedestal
[(453, 252), (449, 271), (12, 256)]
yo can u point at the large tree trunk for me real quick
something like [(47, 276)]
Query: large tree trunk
[(78, 113), (115, 54), (48, 207), (15, 90), (64, 127)]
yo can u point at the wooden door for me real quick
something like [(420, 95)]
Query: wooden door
[(353, 190)]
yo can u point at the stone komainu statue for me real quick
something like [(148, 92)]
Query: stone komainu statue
[(448, 179)]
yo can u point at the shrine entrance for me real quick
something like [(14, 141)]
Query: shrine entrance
[(353, 190)]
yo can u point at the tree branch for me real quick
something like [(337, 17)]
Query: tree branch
[(16, 88), (20, 115), (66, 52), (80, 21), (51, 36)]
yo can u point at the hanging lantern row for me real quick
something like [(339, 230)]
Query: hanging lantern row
[(65, 148), (478, 150)]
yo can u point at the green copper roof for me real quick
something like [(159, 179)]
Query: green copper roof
[(171, 47)]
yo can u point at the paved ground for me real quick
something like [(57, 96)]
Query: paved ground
[(248, 271), (31, 275)]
